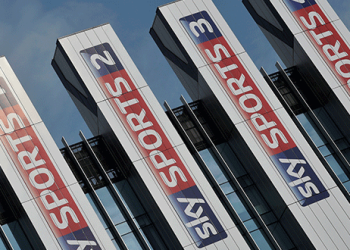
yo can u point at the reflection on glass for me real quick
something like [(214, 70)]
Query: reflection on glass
[(316, 136), (123, 228), (257, 200), (115, 244), (137, 212), (131, 242), (109, 204), (88, 196), (251, 225), (237, 203), (213, 166), (281, 236), (321, 143), (155, 241), (238, 206), (129, 198), (227, 188), (347, 185), (117, 218), (102, 219), (2, 244), (16, 235), (145, 237), (325, 150), (336, 168), (231, 159), (260, 239), (328, 123)]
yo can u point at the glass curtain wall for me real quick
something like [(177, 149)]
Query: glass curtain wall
[(219, 172), (12, 233), (316, 130), (116, 196)]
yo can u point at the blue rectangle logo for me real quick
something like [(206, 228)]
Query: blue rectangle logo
[(197, 216), (79, 240), (288, 159), (101, 60), (200, 27), (193, 210), (300, 177)]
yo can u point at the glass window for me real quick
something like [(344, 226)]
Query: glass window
[(325, 150), (238, 206), (320, 142), (118, 218), (347, 185), (2, 244), (257, 199), (342, 144), (154, 238), (16, 236), (213, 166), (328, 123), (97, 211), (306, 122), (281, 236), (251, 225), (235, 199), (102, 219), (227, 188), (110, 205), (269, 218), (129, 197), (336, 168), (116, 244), (231, 160), (123, 228), (261, 240), (346, 153), (131, 241), (142, 221), (245, 181)]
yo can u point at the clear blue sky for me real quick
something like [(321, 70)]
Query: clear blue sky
[(29, 30)]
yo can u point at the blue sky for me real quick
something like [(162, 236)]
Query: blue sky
[(29, 30)]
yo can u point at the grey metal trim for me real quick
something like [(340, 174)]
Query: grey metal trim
[(302, 130), (208, 173), (5, 239), (99, 204), (229, 172), (115, 193)]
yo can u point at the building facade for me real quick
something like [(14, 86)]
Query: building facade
[(43, 205), (253, 161), (300, 183), (117, 103), (315, 48)]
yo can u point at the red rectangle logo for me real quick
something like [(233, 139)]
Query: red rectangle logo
[(154, 145), (326, 39), (253, 106), (40, 175)]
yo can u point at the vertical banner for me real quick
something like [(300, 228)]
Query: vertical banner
[(38, 172), (253, 106), (324, 36), (153, 144), (219, 72)]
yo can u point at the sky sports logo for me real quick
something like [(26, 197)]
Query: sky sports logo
[(162, 159), (40, 175), (253, 106), (325, 38)]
